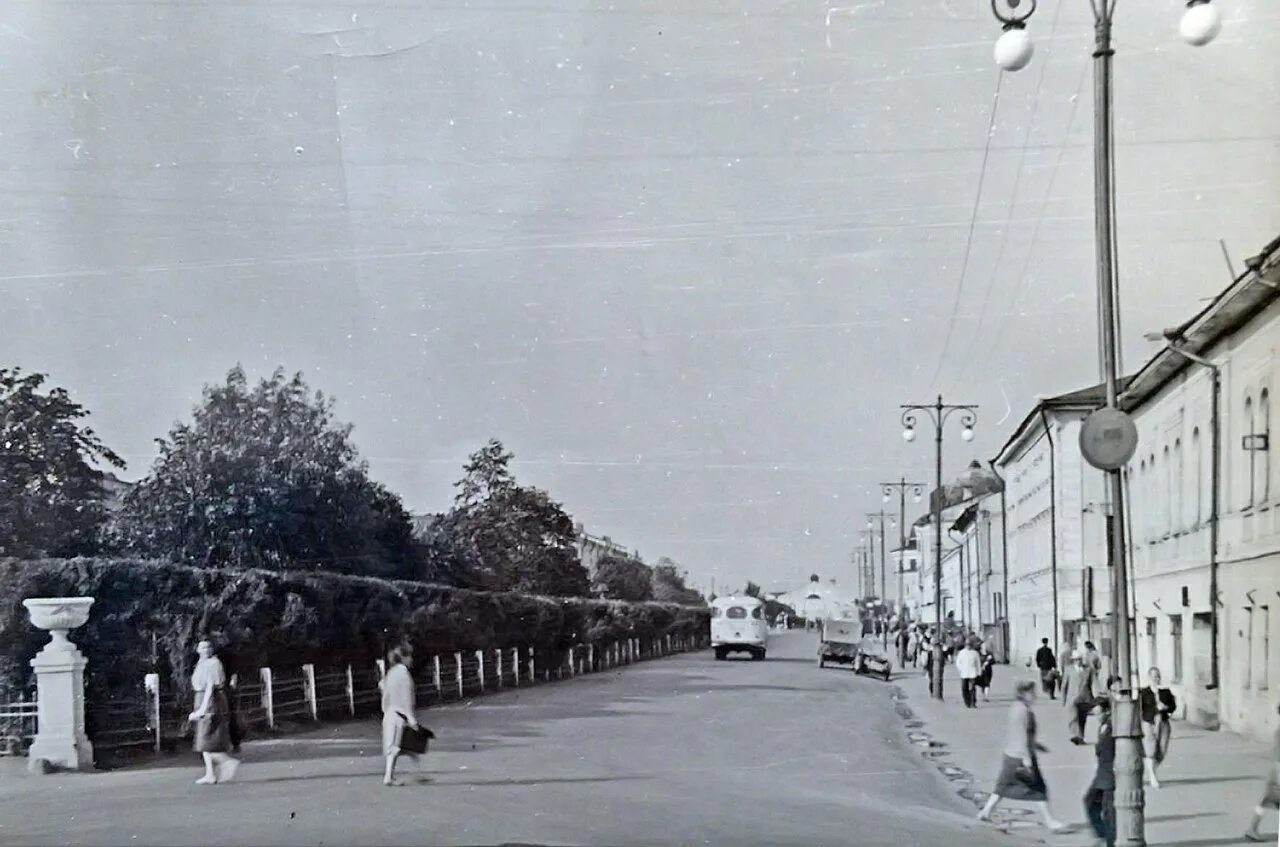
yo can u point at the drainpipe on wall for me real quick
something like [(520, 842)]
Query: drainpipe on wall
[(1004, 556), (1053, 526)]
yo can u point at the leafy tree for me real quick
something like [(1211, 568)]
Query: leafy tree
[(51, 494), (669, 585), (515, 538), (752, 590), (624, 578), (265, 477)]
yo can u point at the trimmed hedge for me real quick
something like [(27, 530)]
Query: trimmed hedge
[(150, 615)]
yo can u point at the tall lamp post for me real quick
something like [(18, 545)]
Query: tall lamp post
[(1109, 435), (917, 491), (872, 518), (938, 413)]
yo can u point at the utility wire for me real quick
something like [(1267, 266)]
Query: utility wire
[(973, 224), (1013, 202)]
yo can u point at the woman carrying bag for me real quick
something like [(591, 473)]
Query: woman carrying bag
[(401, 733)]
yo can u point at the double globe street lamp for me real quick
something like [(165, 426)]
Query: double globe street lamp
[(937, 413), (1108, 437)]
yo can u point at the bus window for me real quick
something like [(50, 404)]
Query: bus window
[(736, 612)]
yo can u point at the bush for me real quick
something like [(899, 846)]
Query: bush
[(148, 616)]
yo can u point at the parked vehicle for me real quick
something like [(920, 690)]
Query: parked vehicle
[(839, 642), (738, 626)]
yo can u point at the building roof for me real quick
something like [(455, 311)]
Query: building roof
[(1081, 400), (1233, 307)]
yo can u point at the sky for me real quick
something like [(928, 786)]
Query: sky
[(685, 259)]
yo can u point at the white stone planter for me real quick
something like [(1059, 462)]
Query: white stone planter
[(58, 616), (60, 737)]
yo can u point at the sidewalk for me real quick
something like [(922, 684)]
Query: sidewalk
[(1209, 784)]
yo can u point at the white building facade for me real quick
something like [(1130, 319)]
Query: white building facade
[(1171, 483), (1056, 515)]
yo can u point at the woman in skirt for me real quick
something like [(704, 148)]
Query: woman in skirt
[(398, 707), (987, 660), (1020, 777), (212, 717)]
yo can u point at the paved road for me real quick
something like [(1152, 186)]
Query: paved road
[(679, 751)]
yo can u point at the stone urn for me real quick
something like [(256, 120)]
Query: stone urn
[(58, 616), (60, 741)]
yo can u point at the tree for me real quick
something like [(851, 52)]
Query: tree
[(515, 537), (51, 494), (624, 578), (669, 585), (752, 590), (265, 477)]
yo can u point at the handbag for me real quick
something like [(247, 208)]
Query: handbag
[(414, 741)]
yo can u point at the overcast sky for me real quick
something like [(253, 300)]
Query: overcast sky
[(684, 258)]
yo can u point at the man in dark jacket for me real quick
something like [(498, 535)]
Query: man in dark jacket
[(1047, 663), (1099, 799)]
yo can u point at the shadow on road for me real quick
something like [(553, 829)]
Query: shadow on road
[(1208, 780)]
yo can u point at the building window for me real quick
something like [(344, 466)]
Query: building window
[(1166, 494), (1179, 516), (1142, 492), (1198, 460), (1264, 668), (1153, 660), (1264, 456), (1248, 647), (1249, 456), (1175, 638)]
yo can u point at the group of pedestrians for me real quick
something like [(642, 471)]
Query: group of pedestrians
[(1020, 777)]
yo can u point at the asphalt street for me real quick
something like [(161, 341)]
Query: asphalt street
[(678, 751)]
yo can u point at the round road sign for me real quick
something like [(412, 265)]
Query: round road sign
[(1108, 439)]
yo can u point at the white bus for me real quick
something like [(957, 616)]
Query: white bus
[(738, 625)]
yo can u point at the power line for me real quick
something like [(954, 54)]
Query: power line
[(973, 225), (1017, 184)]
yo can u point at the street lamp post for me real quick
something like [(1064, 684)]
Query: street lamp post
[(938, 413), (917, 490), (872, 517), (1013, 51)]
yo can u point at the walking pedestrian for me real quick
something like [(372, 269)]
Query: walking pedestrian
[(987, 661), (1080, 680), (399, 707), (927, 650), (1270, 793), (1099, 799), (212, 717), (1047, 664), (913, 645), (1157, 705), (969, 665), (1020, 778)]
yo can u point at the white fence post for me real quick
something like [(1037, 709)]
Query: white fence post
[(351, 691), (435, 676), (268, 698), (309, 690), (591, 658), (515, 663), (533, 670), (480, 668), (497, 666), (457, 657), (572, 668), (151, 682)]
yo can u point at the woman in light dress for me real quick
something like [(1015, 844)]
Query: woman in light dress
[(1020, 777), (398, 707), (212, 717)]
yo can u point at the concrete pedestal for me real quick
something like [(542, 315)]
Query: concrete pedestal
[(60, 738)]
